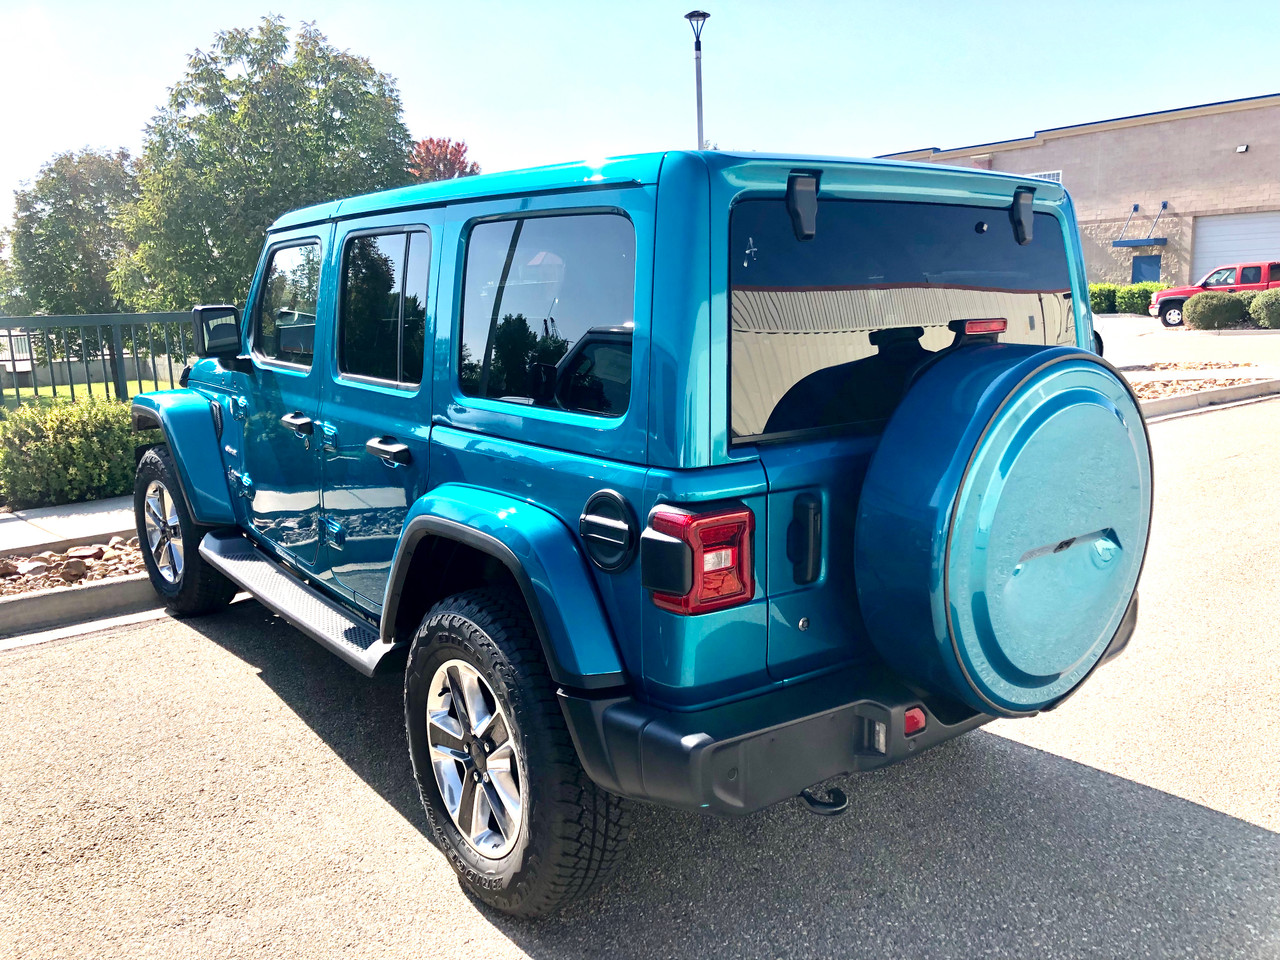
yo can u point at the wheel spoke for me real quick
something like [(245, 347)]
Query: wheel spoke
[(443, 732), (466, 812), (458, 699), (171, 510), (153, 513), (498, 734), (478, 714), (176, 559), (497, 804)]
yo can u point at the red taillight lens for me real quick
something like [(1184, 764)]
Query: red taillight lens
[(721, 546), (913, 721), (994, 325)]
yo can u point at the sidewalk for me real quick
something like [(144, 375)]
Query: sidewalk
[(57, 528)]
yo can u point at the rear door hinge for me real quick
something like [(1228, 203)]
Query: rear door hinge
[(241, 484)]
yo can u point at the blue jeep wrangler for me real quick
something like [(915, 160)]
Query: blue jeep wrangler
[(691, 478)]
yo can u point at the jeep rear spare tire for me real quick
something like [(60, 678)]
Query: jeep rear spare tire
[(1003, 523)]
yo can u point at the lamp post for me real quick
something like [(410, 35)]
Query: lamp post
[(696, 20)]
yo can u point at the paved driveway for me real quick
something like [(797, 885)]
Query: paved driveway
[(224, 788)]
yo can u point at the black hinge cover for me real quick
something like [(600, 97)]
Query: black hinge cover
[(666, 564), (802, 203), (608, 529), (1020, 214)]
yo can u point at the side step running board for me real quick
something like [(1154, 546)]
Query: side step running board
[(320, 618)]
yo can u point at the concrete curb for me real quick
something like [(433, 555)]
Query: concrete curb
[(62, 606), (1209, 398), (62, 546)]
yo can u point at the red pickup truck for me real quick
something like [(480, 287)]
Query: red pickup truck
[(1167, 304)]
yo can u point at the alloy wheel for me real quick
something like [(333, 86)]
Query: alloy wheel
[(474, 758), (164, 531)]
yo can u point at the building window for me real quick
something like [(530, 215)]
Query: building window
[(1054, 175)]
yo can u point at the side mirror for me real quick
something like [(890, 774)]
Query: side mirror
[(217, 330)]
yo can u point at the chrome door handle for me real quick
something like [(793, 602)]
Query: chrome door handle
[(389, 450)]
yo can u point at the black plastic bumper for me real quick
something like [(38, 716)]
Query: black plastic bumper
[(744, 756)]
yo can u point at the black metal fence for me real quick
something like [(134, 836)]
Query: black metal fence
[(102, 355)]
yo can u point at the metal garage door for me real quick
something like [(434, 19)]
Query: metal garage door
[(1234, 238)]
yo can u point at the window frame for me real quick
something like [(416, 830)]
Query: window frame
[(508, 406), (339, 312), (255, 314)]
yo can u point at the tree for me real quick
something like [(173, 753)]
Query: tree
[(439, 158), (67, 232), (259, 125)]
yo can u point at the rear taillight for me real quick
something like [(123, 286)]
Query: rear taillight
[(699, 562)]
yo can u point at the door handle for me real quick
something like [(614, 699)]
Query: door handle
[(804, 538), (389, 450), (298, 423)]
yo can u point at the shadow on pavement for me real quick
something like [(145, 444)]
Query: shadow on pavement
[(981, 847)]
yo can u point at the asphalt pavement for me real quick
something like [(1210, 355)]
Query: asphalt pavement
[(225, 788)]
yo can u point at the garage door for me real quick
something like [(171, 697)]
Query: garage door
[(1234, 238)]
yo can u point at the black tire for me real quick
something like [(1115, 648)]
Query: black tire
[(196, 588), (1171, 313), (571, 831)]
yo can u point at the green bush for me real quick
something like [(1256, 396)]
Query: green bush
[(1102, 297), (65, 452), (1136, 297), (1247, 297), (1213, 311), (1265, 309)]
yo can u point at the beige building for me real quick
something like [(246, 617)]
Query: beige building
[(1166, 195)]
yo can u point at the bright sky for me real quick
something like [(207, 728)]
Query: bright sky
[(527, 82)]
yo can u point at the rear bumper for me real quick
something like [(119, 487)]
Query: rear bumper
[(741, 757)]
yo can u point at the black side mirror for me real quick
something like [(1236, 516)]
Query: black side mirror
[(217, 330)]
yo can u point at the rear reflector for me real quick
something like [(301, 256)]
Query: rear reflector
[(913, 721), (720, 544), (994, 325)]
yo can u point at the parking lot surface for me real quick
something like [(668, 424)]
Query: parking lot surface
[(224, 788)]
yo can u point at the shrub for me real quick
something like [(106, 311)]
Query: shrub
[(1247, 297), (1102, 297), (1136, 297), (1213, 311), (1265, 309), (65, 452)]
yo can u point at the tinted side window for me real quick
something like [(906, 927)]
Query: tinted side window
[(547, 312), (1220, 278), (384, 306), (1250, 274), (285, 326), (1274, 273)]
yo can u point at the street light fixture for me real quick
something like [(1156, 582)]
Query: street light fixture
[(696, 20)]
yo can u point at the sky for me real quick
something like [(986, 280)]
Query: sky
[(526, 83)]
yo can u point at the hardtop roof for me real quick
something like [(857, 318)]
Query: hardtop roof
[(635, 169)]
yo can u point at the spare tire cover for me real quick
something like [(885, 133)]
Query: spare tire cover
[(1002, 524)]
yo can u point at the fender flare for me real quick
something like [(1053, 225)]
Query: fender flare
[(531, 543), (186, 420)]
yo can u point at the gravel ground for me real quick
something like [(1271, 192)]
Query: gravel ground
[(1158, 389), (46, 570), (224, 788)]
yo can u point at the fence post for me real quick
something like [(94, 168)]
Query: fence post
[(117, 364)]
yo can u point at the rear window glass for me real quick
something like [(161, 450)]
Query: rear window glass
[(827, 332), (1250, 274), (547, 312)]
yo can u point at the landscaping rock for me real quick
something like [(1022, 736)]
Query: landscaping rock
[(133, 541), (116, 542), (87, 553), (74, 569), (27, 568), (8, 568)]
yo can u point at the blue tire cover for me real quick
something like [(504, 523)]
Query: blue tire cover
[(1002, 524)]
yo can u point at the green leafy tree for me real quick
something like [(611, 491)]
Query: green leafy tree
[(68, 230), (263, 123)]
